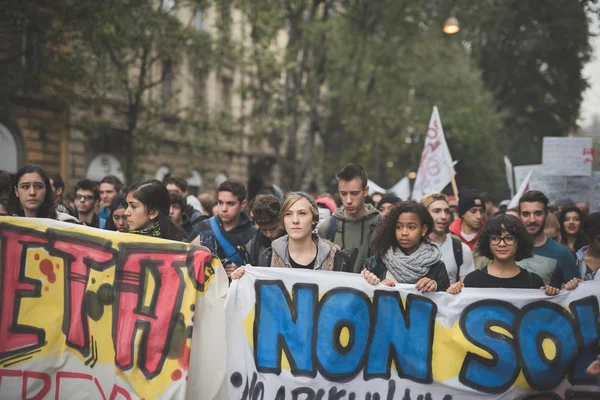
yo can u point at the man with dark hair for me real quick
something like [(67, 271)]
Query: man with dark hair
[(471, 209), (552, 261), (177, 213), (456, 255), (490, 204), (87, 196), (110, 187), (387, 201), (265, 210), (178, 183), (352, 224), (227, 233), (58, 185)]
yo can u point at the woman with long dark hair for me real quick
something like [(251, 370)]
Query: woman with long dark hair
[(117, 221), (571, 228), (147, 211), (31, 194), (403, 253)]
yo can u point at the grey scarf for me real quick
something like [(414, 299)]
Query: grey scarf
[(409, 269)]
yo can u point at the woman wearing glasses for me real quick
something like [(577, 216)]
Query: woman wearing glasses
[(504, 240)]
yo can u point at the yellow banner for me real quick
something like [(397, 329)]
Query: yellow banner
[(98, 314)]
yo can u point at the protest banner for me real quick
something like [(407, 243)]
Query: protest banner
[(87, 313), (567, 156), (401, 189), (319, 335), (579, 189), (436, 169)]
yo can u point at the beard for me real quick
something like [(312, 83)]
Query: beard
[(540, 229)]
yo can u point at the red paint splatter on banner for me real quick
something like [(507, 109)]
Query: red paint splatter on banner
[(47, 270), (176, 375), (57, 266), (36, 257), (46, 288), (184, 359)]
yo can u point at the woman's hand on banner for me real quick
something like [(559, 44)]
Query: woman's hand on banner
[(426, 285), (238, 273), (456, 288), (572, 284), (550, 291), (370, 277)]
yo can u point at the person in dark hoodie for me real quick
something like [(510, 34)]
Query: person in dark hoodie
[(177, 184), (352, 224), (226, 234), (178, 213), (265, 210), (301, 247), (403, 253)]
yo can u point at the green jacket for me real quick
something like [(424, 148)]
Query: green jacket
[(353, 235)]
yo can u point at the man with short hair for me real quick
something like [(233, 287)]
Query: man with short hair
[(552, 261), (227, 233), (265, 210), (471, 210), (193, 209), (178, 183), (87, 196), (110, 187), (490, 205), (456, 255), (177, 213), (58, 185), (352, 224)]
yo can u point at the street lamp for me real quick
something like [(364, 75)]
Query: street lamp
[(451, 26)]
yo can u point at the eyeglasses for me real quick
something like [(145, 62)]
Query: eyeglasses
[(509, 240), (84, 197)]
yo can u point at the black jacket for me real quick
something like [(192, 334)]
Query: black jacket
[(437, 272), (259, 251)]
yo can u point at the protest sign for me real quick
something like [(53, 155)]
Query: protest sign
[(559, 187), (567, 156), (87, 313), (508, 169), (400, 189), (296, 334), (436, 169)]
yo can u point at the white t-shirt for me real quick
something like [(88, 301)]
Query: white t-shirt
[(469, 237), (467, 266)]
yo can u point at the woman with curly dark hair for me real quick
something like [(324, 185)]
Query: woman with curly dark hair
[(571, 228), (504, 240), (402, 252)]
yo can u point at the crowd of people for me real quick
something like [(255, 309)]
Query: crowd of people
[(438, 244)]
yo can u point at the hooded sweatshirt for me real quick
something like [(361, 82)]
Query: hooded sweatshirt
[(585, 273), (455, 228), (325, 253), (351, 234), (238, 236)]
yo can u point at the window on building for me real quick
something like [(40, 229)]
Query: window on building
[(226, 88), (198, 19)]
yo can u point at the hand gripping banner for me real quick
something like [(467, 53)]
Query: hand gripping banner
[(86, 313), (316, 335)]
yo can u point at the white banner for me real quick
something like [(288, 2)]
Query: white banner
[(568, 156), (294, 334), (436, 169), (400, 189)]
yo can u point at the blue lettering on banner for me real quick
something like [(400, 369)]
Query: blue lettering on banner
[(345, 332), (283, 324), (342, 309), (498, 373), (402, 335)]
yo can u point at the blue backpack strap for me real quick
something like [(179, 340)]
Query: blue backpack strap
[(331, 230), (230, 251)]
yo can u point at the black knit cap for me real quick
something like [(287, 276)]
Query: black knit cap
[(467, 199), (388, 198)]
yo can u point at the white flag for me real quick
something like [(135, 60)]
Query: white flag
[(401, 189), (522, 189), (509, 176), (436, 169), (374, 188)]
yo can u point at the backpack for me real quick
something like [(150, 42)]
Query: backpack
[(332, 231), (458, 254)]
